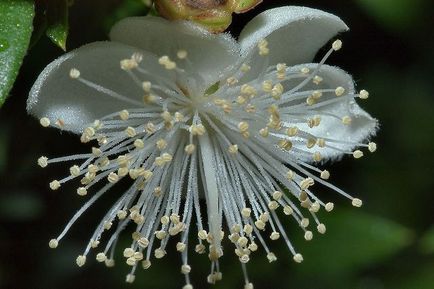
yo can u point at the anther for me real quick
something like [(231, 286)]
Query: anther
[(81, 191), (54, 185), (287, 210), (146, 86), (124, 114), (329, 207), (271, 257), (357, 202), (357, 154), (113, 178), (130, 278), (182, 54), (325, 175), (101, 257), (74, 73), (81, 260), (363, 94), (339, 91), (372, 147), (43, 162), (274, 236), (45, 122), (233, 149), (321, 228), (298, 258), (308, 235), (53, 243), (337, 44), (346, 120)]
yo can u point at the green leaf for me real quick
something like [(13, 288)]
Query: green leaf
[(57, 17), (427, 241), (16, 17), (125, 9), (354, 240)]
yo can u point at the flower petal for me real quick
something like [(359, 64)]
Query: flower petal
[(362, 124), (294, 34), (56, 96), (210, 55)]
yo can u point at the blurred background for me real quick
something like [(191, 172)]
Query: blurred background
[(388, 243)]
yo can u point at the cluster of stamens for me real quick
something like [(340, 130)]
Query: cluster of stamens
[(261, 137)]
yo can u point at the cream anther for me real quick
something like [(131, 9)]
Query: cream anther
[(190, 148), (182, 54), (53, 243), (357, 154), (271, 257), (245, 67), (346, 120), (308, 235), (233, 149), (167, 63), (130, 278), (329, 207), (54, 185), (339, 91), (287, 210), (263, 47), (43, 162), (325, 175), (298, 258), (277, 195), (357, 202), (146, 85), (231, 80), (337, 44), (101, 257), (321, 228), (74, 73), (372, 147), (81, 191), (363, 94), (317, 79), (306, 183), (277, 91), (45, 122), (124, 114), (275, 236), (81, 260)]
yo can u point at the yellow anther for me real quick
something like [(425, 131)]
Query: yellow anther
[(329, 207), (271, 257), (310, 143), (81, 260), (124, 114), (150, 128), (233, 149), (149, 98), (285, 144), (267, 86), (81, 191), (363, 94), (43, 162), (146, 86), (232, 80), (146, 264), (264, 132), (248, 90), (325, 174), (308, 235), (287, 210), (273, 205), (346, 120), (101, 257), (277, 195), (321, 228), (128, 64), (305, 70), (243, 126), (298, 258), (372, 147), (357, 202), (306, 183), (357, 154), (189, 149), (53, 243), (339, 91), (182, 54), (317, 79), (321, 142), (245, 68), (292, 131), (45, 122), (290, 175), (317, 156), (263, 47), (337, 44), (54, 185), (277, 91), (74, 73)]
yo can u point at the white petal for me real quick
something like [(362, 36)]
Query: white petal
[(362, 126), (210, 55), (56, 96), (294, 34)]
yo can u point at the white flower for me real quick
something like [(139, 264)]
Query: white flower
[(191, 117)]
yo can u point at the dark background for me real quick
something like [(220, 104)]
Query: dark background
[(388, 243)]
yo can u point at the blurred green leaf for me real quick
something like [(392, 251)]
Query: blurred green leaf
[(16, 18), (395, 14), (57, 18), (427, 241), (353, 240)]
